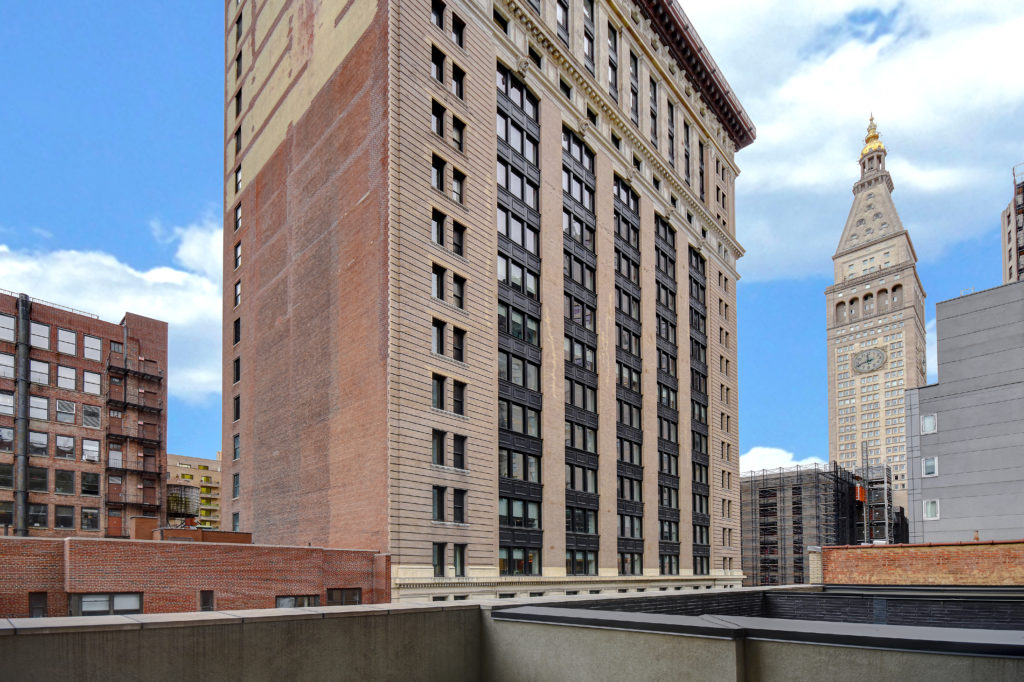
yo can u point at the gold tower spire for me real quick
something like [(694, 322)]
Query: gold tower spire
[(871, 141)]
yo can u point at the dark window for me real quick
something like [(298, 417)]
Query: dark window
[(236, 370), (90, 483), (437, 173), (458, 291), (458, 238), (234, 521), (437, 337), (437, 227), (460, 561), (236, 446), (438, 503), (237, 334), (437, 120), (63, 517), (437, 65), (459, 452), (206, 600), (437, 276), (459, 506), (37, 605), (437, 447), (458, 344), (458, 397), (437, 13), (38, 480), (236, 408), (6, 475), (458, 134), (458, 31), (438, 558), (458, 82), (6, 513), (39, 515), (437, 391), (64, 482), (235, 485), (344, 596), (500, 21)]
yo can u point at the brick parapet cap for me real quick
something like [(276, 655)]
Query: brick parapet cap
[(928, 544), (191, 543)]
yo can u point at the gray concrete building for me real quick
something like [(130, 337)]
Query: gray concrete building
[(966, 446)]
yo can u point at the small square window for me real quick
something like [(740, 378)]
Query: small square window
[(64, 517), (38, 408), (93, 348), (91, 416), (931, 510), (66, 342), (39, 335)]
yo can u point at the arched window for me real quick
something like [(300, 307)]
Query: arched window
[(853, 308), (869, 304), (897, 296), (883, 300), (840, 313)]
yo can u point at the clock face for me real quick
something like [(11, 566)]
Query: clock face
[(868, 360)]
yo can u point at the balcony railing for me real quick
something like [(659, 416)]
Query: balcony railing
[(133, 464), (143, 431), (142, 400), (135, 498), (122, 364)]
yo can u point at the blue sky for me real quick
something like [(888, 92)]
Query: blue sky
[(110, 186)]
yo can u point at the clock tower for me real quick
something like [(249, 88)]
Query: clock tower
[(875, 327)]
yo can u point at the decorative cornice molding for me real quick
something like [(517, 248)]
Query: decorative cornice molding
[(584, 82)]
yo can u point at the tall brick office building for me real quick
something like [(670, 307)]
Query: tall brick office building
[(82, 420), (480, 291)]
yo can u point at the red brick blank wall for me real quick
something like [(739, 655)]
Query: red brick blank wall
[(31, 565), (172, 574), (954, 564), (314, 405)]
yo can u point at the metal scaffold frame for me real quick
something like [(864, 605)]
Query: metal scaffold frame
[(783, 511)]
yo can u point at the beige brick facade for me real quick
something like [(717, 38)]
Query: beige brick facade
[(358, 120)]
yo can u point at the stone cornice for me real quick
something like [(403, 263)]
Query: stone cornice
[(672, 25), (585, 83)]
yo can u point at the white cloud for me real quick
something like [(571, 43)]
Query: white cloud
[(953, 126), (759, 457), (931, 351), (187, 298)]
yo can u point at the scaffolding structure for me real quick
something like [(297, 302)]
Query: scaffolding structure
[(875, 509), (783, 511)]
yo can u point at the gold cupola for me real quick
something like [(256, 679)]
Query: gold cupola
[(871, 141)]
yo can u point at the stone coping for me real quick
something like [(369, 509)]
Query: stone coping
[(139, 621), (960, 641)]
